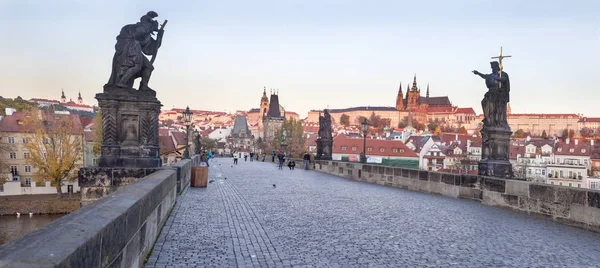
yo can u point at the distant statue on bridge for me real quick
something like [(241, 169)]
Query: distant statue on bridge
[(325, 138), (133, 43), (496, 99), (325, 125)]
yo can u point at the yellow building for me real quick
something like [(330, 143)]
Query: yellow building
[(13, 134)]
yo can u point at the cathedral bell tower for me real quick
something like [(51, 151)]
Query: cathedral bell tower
[(400, 99), (413, 95)]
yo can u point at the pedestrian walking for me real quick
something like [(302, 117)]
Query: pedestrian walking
[(210, 155), (235, 159), (273, 157), (245, 157), (281, 158), (306, 161)]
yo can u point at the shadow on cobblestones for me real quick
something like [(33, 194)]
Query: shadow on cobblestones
[(313, 219)]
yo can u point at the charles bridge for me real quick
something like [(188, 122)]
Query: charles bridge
[(338, 215)]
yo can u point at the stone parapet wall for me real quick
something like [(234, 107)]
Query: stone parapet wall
[(116, 231), (572, 206)]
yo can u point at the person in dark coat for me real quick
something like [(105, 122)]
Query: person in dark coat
[(306, 160), (281, 158), (291, 164)]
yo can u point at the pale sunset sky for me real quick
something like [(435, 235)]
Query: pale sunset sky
[(218, 55)]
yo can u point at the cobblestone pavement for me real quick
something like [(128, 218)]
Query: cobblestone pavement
[(311, 219)]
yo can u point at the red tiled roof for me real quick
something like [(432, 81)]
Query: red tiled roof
[(179, 137), (581, 149), (86, 120), (595, 154), (516, 150), (72, 103), (166, 144), (465, 110), (310, 129), (343, 141), (11, 123), (163, 132)]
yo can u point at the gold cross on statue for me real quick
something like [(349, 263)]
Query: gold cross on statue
[(500, 60)]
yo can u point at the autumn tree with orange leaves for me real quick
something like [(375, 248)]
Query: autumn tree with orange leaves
[(55, 147)]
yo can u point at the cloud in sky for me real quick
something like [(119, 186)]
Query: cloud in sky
[(218, 55)]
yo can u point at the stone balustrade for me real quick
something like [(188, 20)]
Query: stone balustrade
[(117, 230), (572, 206)]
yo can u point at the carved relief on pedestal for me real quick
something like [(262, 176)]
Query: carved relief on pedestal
[(149, 126), (129, 135)]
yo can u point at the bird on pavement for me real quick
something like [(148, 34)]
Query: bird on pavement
[(274, 185), (210, 181)]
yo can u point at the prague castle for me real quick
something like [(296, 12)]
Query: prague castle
[(422, 109)]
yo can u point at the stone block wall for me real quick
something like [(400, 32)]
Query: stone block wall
[(184, 173), (116, 231), (572, 206), (98, 182)]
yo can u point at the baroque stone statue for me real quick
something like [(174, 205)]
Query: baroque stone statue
[(496, 99), (495, 134), (197, 144), (325, 125), (134, 42), (325, 138)]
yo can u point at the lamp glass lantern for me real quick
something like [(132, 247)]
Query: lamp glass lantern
[(187, 119)]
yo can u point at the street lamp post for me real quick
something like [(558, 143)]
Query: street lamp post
[(363, 155), (187, 119)]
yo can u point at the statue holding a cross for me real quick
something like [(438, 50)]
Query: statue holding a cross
[(495, 134), (496, 99)]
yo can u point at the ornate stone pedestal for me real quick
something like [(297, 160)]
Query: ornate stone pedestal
[(324, 148), (495, 152), (130, 127)]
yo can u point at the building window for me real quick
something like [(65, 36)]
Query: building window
[(344, 148), (560, 183), (13, 155), (11, 139), (571, 150), (27, 181), (27, 168), (552, 182), (26, 155), (594, 185), (582, 150), (543, 172), (395, 150), (369, 149), (354, 148), (14, 170), (570, 184), (382, 150), (579, 185), (24, 140), (559, 149), (402, 150)]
